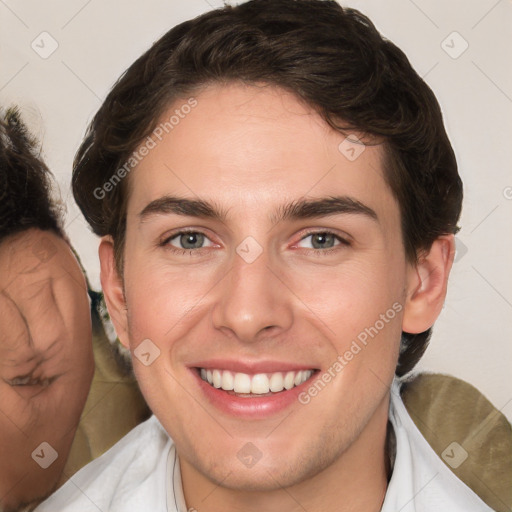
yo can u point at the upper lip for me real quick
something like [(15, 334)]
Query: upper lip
[(251, 367)]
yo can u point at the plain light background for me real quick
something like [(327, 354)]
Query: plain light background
[(461, 48)]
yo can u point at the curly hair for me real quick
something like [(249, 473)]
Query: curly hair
[(25, 181)]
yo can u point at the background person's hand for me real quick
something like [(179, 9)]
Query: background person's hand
[(46, 362)]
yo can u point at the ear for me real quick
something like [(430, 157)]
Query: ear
[(426, 286), (112, 285)]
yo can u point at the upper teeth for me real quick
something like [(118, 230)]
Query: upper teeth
[(259, 383)]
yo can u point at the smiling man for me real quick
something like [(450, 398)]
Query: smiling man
[(277, 201)]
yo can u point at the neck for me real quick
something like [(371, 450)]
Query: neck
[(357, 480)]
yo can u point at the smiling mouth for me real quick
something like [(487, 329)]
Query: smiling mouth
[(259, 384)]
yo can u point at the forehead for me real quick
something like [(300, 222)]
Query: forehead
[(39, 269), (33, 255), (42, 289), (249, 146)]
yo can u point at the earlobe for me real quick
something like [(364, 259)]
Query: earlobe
[(112, 285), (427, 284)]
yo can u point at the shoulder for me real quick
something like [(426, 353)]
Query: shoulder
[(467, 433), (132, 471)]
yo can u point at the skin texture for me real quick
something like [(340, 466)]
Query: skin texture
[(250, 150), (45, 358)]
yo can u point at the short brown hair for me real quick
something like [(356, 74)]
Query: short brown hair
[(331, 57)]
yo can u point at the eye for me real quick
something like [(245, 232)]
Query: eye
[(26, 380), (29, 380), (186, 241), (324, 240)]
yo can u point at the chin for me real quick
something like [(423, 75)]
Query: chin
[(271, 472)]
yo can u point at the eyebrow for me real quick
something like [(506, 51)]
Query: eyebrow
[(296, 210)]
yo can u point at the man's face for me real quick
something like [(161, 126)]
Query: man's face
[(253, 293), (46, 362)]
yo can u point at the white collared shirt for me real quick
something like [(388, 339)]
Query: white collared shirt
[(141, 473), (421, 482)]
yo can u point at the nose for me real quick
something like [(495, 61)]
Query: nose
[(253, 302)]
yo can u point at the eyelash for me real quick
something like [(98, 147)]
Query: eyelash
[(318, 252), (30, 381), (324, 252)]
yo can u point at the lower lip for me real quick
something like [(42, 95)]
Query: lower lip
[(251, 407)]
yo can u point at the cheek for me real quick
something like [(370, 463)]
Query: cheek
[(159, 297), (346, 300), (359, 310)]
